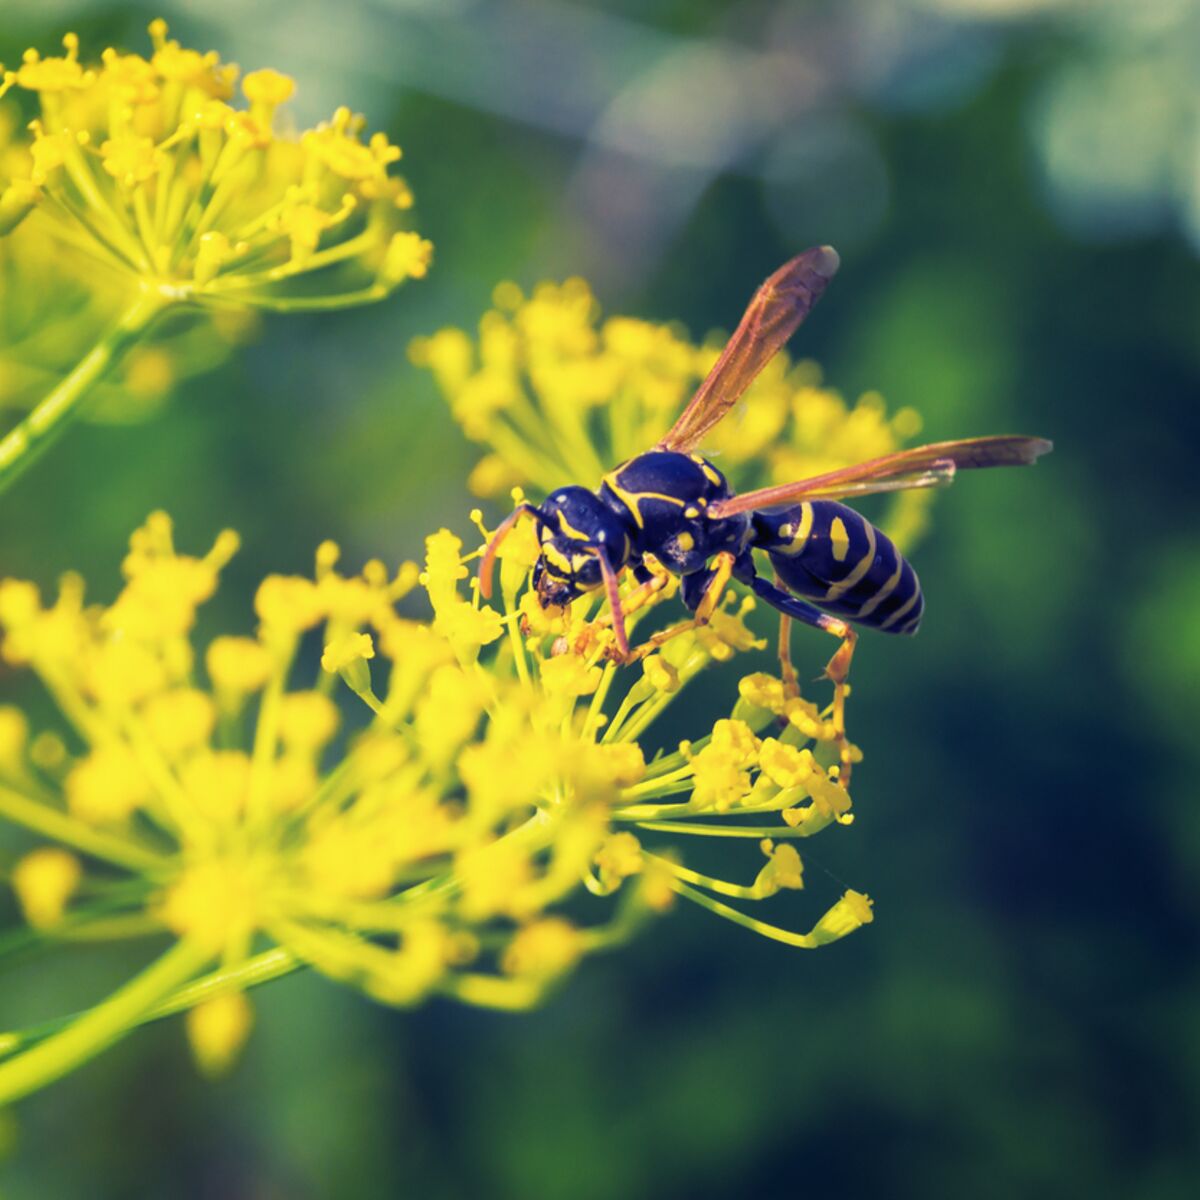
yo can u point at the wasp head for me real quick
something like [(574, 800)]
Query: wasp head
[(575, 527)]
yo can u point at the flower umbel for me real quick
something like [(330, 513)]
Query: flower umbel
[(148, 177), (150, 165), (63, 303), (503, 766)]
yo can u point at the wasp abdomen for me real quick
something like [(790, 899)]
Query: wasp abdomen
[(831, 555)]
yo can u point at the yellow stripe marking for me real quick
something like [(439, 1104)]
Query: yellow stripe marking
[(554, 555), (903, 610), (884, 592), (570, 530), (798, 534), (630, 499), (838, 590), (839, 539)]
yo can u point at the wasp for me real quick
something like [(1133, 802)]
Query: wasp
[(832, 568)]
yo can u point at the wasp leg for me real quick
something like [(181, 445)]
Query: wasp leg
[(836, 671), (643, 572), (787, 672), (616, 609), (702, 597), (651, 581)]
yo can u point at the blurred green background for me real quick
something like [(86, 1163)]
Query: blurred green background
[(1013, 187)]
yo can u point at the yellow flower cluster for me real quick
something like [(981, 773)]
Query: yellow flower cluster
[(559, 395), (64, 304), (149, 166), (424, 844)]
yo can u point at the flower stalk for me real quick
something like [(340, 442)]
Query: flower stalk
[(100, 1026), (26, 442), (38, 817)]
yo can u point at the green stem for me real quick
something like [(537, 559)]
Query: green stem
[(367, 295), (802, 941), (731, 831), (99, 1027), (23, 445), (735, 890), (62, 827), (262, 968)]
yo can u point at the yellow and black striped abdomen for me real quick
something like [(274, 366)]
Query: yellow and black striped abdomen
[(830, 555)]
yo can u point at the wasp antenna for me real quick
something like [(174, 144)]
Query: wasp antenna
[(487, 562)]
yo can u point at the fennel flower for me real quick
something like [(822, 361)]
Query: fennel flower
[(56, 304), (491, 809), (149, 167), (61, 303)]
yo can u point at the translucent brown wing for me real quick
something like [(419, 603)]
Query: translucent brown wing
[(775, 313), (923, 466)]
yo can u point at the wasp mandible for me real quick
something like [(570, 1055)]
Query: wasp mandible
[(832, 566)]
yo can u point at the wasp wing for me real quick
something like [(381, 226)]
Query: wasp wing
[(774, 314), (934, 465)]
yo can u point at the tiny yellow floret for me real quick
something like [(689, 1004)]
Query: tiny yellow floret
[(238, 665), (217, 1029), (44, 880), (14, 736), (288, 604), (851, 912), (307, 720)]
